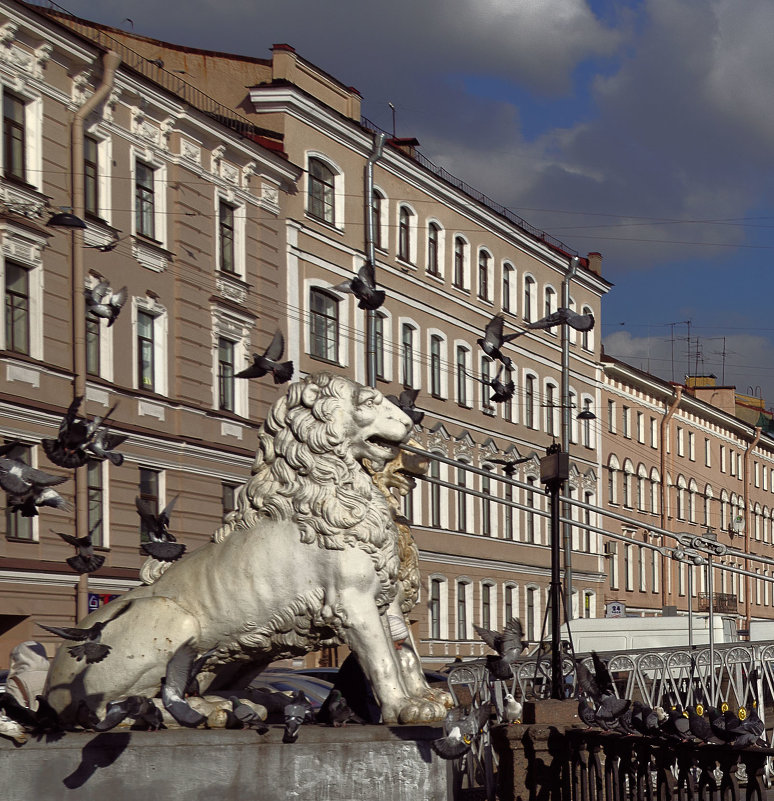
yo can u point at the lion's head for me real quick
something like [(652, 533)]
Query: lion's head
[(309, 463)]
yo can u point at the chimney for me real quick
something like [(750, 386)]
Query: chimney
[(595, 263)]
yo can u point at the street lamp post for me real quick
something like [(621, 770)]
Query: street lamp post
[(567, 532)]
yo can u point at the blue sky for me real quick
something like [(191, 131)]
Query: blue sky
[(642, 130)]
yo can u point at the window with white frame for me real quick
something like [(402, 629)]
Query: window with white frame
[(488, 606), (507, 288), (434, 256), (150, 326), (628, 473), (530, 528), (611, 416), (529, 400), (486, 387), (145, 199), (510, 602), (613, 468), (230, 239), (21, 283), (549, 305), (588, 441), (408, 355), (437, 605), (692, 446), (435, 494), (626, 422), (508, 404), (640, 427), (530, 300), (380, 324), (321, 191), (17, 308), (508, 532), (323, 325), (17, 525), (406, 234), (485, 263), (460, 267), (680, 441), (462, 499), (532, 612), (462, 361), (378, 215), (14, 136), (486, 504), (226, 380), (464, 592), (587, 337), (653, 432), (96, 499), (151, 491), (436, 345), (551, 408)]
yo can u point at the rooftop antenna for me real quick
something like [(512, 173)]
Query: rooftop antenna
[(392, 108)]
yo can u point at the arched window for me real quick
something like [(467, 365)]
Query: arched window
[(433, 248), (462, 374), (587, 337), (529, 515), (435, 365), (510, 599), (404, 234), (529, 293), (462, 500), (486, 605), (484, 261), (462, 610), (435, 494), (460, 256), (324, 325), (486, 505), (655, 492), (532, 612), (435, 609), (407, 353), (642, 483), (506, 300), (627, 483), (529, 401), (551, 409), (613, 468), (376, 218), (321, 191), (550, 304)]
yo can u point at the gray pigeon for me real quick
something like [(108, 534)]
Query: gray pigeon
[(461, 729), (502, 392), (335, 711), (580, 322), (103, 443), (509, 644), (141, 709), (69, 448), (269, 362), (91, 649), (243, 716), (29, 488), (363, 286), (162, 545), (297, 712), (180, 672), (405, 402), (494, 339), (102, 302), (85, 560)]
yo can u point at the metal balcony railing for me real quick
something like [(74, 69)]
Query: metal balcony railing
[(722, 603)]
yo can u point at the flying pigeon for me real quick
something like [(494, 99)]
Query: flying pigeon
[(509, 465), (103, 443), (494, 339), (502, 392), (335, 711), (244, 716), (69, 449), (29, 488), (108, 246), (91, 648), (580, 322), (269, 362), (162, 545), (405, 402), (102, 302), (141, 709), (460, 731), (363, 287), (298, 711), (509, 644), (85, 560), (180, 671)]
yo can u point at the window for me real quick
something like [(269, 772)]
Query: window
[(149, 491), (462, 375), (588, 597), (378, 343), (462, 611), (228, 496), (486, 507), (550, 408), (460, 248), (708, 453), (435, 365), (96, 501), (321, 191), (433, 246), (226, 237), (529, 401), (14, 137), (225, 375), (508, 512), (17, 308), (144, 200), (408, 505), (91, 176), (531, 602), (435, 609), (435, 494), (462, 500), (586, 531), (692, 446), (529, 501), (529, 292), (486, 378), (586, 425), (376, 219), (484, 260), (404, 234), (653, 432), (626, 429), (16, 526), (587, 341), (680, 442), (407, 344), (92, 346), (640, 427), (146, 356), (508, 404), (611, 416), (506, 302), (550, 304), (324, 325), (486, 605), (509, 608)]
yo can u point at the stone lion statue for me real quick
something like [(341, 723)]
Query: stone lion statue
[(312, 556)]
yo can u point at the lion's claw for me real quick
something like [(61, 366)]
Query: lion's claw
[(421, 710)]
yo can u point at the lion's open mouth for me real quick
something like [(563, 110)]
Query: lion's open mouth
[(383, 444)]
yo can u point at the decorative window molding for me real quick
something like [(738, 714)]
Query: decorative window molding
[(159, 319)]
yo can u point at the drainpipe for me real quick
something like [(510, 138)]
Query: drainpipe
[(665, 490), (566, 412), (746, 474), (368, 190), (110, 63)]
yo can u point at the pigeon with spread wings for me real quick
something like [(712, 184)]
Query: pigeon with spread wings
[(509, 644), (405, 402), (494, 339), (162, 544), (270, 362), (85, 560), (103, 303), (363, 286), (29, 488), (91, 648), (461, 729)]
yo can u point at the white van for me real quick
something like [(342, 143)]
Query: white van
[(646, 633)]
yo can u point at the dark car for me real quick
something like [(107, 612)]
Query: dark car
[(329, 674)]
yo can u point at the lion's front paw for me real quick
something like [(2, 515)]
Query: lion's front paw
[(440, 696), (421, 710)]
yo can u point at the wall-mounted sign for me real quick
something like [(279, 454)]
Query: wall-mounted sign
[(615, 609)]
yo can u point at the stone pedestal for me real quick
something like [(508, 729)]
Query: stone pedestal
[(377, 763)]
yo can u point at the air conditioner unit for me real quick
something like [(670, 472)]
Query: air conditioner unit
[(611, 548)]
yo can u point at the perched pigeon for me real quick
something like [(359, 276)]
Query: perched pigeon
[(137, 707), (85, 560), (335, 711), (102, 302), (102, 445), (297, 712), (513, 709), (180, 671), (162, 545), (494, 339), (509, 644), (243, 716), (460, 731), (29, 488), (701, 728), (644, 719), (405, 402), (91, 649), (363, 287), (85, 716), (269, 362)]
